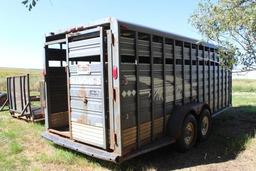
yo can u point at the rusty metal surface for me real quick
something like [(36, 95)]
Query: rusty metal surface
[(82, 148), (87, 87)]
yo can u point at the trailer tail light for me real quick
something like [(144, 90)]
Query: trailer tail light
[(115, 72)]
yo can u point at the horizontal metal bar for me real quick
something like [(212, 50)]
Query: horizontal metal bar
[(92, 30), (55, 42), (82, 148), (219, 112)]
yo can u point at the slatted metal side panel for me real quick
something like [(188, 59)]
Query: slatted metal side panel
[(158, 73), (86, 88), (18, 93)]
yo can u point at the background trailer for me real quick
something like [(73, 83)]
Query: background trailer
[(115, 90)]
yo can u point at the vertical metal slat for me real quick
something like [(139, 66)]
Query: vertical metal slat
[(137, 90), (14, 93), (209, 78), (214, 82), (222, 87), (21, 93), (24, 90), (218, 85), (164, 85), (68, 87), (197, 68), (191, 75), (174, 74), (204, 74), (152, 87), (102, 59), (183, 75), (29, 102), (110, 91)]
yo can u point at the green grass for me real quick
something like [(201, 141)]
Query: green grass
[(22, 147), (15, 148), (244, 85)]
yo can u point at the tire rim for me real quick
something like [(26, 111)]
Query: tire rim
[(204, 125), (189, 133)]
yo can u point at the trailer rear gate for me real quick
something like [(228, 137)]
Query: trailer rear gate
[(140, 77)]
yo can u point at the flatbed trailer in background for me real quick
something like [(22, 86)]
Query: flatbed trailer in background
[(19, 99), (119, 90)]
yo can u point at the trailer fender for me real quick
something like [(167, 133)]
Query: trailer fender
[(174, 124)]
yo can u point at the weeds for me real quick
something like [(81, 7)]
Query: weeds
[(15, 148)]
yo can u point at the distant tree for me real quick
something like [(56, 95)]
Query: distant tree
[(231, 24), (29, 4)]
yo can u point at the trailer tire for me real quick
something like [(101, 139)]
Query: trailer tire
[(188, 134), (204, 125)]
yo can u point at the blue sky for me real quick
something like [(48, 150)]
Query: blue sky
[(22, 32)]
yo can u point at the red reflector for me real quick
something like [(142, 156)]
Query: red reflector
[(115, 72)]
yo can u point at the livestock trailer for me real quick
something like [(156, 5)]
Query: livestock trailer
[(115, 90)]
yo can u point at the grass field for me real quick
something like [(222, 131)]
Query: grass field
[(232, 145), (34, 75)]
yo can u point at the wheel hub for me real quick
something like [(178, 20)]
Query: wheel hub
[(204, 125), (189, 133)]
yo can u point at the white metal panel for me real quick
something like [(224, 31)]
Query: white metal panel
[(85, 80), (83, 48), (86, 90), (91, 105), (87, 133)]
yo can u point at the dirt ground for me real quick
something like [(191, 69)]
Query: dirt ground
[(232, 146)]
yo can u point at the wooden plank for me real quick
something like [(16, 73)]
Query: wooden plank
[(129, 136), (59, 119), (62, 133)]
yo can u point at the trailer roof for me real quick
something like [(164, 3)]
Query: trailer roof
[(141, 28)]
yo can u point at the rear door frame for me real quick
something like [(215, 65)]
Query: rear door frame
[(103, 85)]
